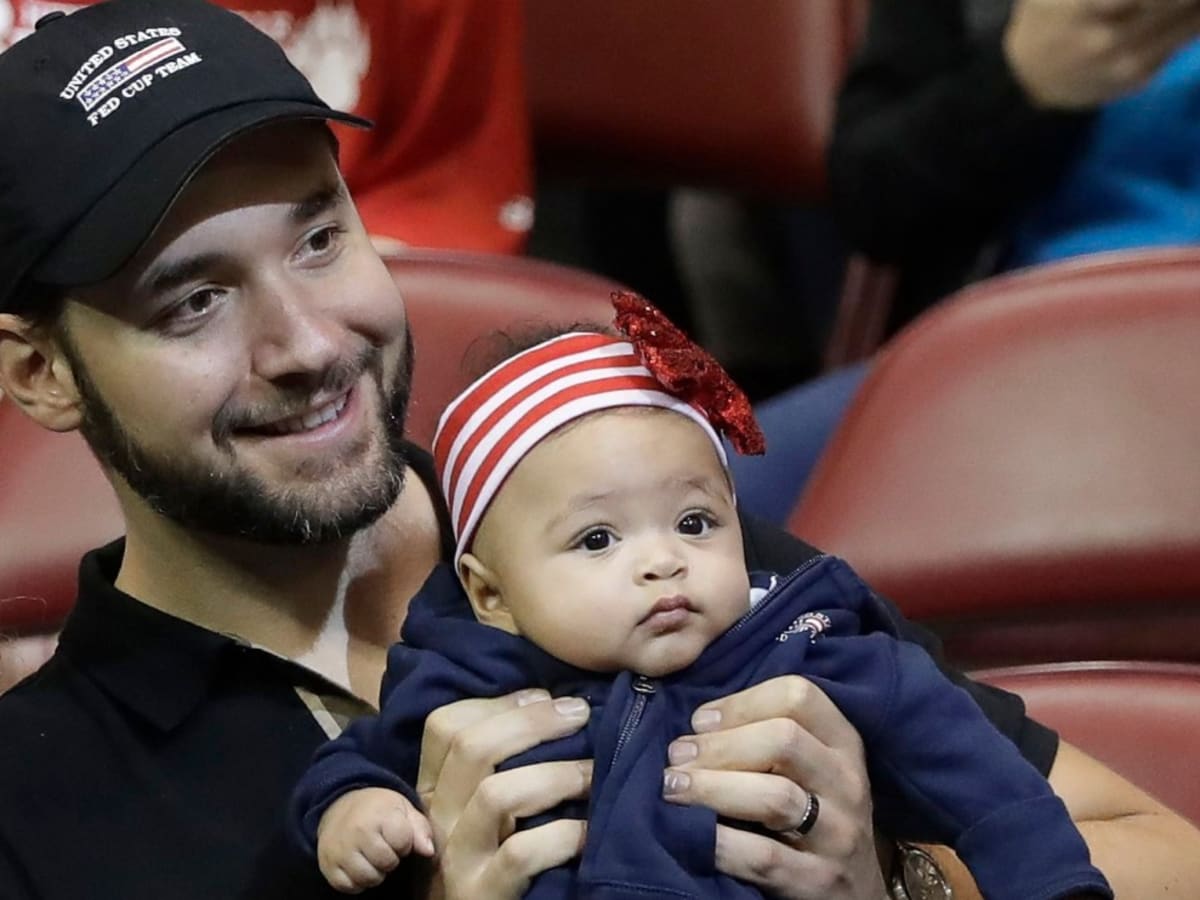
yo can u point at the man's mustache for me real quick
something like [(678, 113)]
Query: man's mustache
[(335, 380)]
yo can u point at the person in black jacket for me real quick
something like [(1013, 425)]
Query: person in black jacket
[(956, 115), (956, 120)]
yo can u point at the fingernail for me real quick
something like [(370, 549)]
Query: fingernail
[(706, 720), (675, 782), (424, 843), (571, 707), (681, 752), (532, 695)]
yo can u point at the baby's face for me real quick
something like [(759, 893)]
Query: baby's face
[(616, 545)]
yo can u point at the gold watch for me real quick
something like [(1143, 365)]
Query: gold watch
[(916, 876)]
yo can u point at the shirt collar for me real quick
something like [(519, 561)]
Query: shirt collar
[(163, 667), (156, 664)]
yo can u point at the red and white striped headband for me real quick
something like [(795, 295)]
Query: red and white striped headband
[(494, 423)]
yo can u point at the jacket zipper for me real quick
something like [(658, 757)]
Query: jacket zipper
[(643, 689)]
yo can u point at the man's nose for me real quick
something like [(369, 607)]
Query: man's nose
[(293, 332)]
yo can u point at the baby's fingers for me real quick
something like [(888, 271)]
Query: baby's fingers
[(408, 831), (351, 875)]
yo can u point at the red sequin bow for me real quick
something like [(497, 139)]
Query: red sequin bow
[(688, 371)]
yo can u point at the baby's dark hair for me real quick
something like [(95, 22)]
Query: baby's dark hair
[(490, 350)]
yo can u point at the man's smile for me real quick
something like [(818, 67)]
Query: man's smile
[(307, 421)]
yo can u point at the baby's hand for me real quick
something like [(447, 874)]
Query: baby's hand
[(364, 835)]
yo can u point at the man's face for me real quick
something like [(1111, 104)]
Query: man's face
[(616, 543), (247, 372)]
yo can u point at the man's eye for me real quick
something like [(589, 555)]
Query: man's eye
[(694, 524), (197, 304), (596, 539), (322, 240), (191, 311)]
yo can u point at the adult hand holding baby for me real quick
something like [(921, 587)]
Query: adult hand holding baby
[(757, 756), (474, 808), (1079, 54)]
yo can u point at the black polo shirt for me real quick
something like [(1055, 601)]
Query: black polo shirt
[(151, 758)]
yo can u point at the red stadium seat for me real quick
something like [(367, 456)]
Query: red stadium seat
[(1142, 719), (54, 505), (1020, 468), (737, 95)]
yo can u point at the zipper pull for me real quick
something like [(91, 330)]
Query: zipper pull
[(643, 685)]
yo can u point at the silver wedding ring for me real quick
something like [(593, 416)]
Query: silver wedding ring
[(812, 809)]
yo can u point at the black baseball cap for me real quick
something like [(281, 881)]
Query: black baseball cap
[(109, 111)]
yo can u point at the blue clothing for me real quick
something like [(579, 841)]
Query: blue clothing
[(939, 771), (797, 425), (1135, 181)]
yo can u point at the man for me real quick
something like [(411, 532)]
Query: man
[(184, 279)]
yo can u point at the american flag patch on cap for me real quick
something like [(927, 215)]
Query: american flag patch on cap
[(118, 74)]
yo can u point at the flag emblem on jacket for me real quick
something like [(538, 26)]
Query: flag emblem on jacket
[(813, 624)]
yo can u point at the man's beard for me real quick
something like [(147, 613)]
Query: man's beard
[(234, 502)]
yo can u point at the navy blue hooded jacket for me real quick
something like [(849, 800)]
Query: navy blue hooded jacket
[(939, 771)]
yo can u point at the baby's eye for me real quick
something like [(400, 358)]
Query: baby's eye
[(597, 539), (695, 524)]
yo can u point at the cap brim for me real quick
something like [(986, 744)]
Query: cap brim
[(125, 217)]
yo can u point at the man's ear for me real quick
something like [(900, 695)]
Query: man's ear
[(483, 590), (36, 374)]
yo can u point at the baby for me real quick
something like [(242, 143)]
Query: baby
[(599, 553)]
